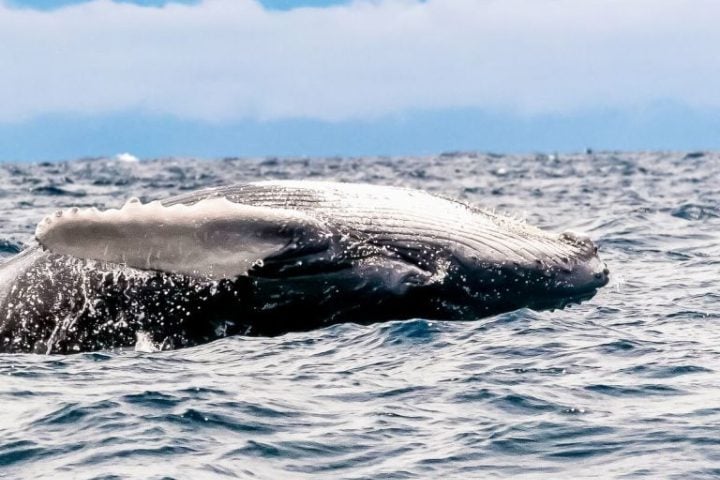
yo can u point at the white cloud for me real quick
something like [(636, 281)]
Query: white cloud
[(227, 59)]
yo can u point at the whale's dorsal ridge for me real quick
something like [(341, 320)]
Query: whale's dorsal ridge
[(213, 238)]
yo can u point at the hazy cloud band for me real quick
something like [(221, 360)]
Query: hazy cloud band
[(231, 59)]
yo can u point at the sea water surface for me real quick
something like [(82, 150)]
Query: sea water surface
[(626, 385)]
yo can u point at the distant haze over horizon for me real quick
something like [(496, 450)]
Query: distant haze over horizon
[(384, 77)]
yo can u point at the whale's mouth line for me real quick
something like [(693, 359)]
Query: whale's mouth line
[(561, 302)]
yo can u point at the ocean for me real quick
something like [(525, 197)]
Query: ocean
[(626, 385)]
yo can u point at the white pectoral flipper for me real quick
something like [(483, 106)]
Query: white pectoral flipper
[(213, 238)]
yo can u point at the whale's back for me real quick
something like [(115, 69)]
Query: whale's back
[(404, 218)]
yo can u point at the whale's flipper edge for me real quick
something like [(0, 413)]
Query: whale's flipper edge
[(213, 238)]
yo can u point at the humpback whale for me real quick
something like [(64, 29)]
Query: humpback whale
[(273, 257)]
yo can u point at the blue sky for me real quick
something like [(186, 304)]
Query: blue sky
[(240, 77)]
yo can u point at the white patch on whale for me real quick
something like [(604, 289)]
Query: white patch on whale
[(214, 238)]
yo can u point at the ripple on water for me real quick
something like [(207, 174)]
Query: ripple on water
[(622, 386)]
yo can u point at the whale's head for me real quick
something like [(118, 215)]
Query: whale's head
[(521, 266), (574, 275)]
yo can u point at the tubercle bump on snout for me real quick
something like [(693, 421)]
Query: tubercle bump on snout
[(580, 241), (576, 238)]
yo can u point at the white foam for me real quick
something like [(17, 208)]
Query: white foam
[(144, 343), (126, 157)]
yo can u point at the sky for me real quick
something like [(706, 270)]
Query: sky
[(215, 78)]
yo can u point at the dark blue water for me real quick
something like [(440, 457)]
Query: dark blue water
[(624, 386)]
